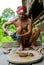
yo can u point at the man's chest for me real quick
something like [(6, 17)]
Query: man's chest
[(22, 24)]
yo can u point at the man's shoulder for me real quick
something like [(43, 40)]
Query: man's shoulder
[(29, 19), (15, 19)]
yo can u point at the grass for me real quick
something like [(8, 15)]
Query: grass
[(42, 39), (6, 39)]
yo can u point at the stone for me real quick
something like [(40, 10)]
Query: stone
[(16, 59)]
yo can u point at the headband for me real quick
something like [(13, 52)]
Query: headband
[(21, 8)]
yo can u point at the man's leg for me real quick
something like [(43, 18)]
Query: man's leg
[(23, 43), (34, 37), (20, 42)]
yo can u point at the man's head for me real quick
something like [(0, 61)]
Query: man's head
[(21, 11)]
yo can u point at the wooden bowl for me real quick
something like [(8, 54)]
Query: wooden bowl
[(23, 54)]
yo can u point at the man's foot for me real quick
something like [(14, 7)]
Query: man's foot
[(33, 47), (20, 48)]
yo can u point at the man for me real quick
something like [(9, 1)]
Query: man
[(24, 29)]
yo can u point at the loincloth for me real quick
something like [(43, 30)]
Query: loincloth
[(26, 42)]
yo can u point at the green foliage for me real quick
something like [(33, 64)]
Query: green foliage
[(42, 39), (4, 37), (11, 28), (8, 13)]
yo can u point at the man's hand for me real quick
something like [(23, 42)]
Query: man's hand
[(19, 35), (5, 31)]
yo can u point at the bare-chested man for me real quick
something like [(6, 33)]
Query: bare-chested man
[(24, 29)]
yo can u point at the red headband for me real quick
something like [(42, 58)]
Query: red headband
[(21, 8)]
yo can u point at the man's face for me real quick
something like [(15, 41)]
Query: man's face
[(21, 14)]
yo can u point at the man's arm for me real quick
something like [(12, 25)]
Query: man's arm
[(6, 24), (29, 29)]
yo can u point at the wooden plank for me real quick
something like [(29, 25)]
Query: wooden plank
[(38, 16)]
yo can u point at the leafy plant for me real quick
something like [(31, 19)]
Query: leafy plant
[(6, 15)]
